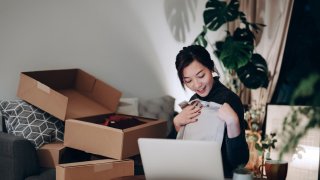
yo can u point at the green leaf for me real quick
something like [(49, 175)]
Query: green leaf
[(235, 54), (200, 39), (218, 50), (218, 12), (244, 34), (255, 73)]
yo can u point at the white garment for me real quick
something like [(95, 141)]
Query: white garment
[(209, 126)]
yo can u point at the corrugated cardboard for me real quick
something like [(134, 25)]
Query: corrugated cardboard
[(49, 154), (110, 142), (95, 170), (69, 93)]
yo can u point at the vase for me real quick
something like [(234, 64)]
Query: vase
[(276, 170), (240, 176)]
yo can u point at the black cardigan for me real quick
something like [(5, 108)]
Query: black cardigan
[(234, 150)]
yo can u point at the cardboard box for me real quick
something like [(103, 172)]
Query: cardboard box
[(88, 135), (69, 93), (95, 170), (49, 155)]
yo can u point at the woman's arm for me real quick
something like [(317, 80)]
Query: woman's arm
[(231, 118), (236, 144)]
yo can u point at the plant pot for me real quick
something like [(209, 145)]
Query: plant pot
[(276, 170), (242, 174)]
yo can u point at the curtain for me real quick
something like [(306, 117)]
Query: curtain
[(270, 41)]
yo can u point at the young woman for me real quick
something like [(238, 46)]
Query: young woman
[(195, 68)]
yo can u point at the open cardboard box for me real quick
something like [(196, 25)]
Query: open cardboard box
[(68, 93), (89, 135)]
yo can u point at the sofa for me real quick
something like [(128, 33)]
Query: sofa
[(18, 159)]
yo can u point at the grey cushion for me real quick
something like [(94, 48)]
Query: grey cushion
[(25, 120), (159, 108)]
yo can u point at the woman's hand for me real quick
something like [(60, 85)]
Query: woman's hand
[(189, 114), (231, 118)]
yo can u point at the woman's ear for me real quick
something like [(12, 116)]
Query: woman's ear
[(215, 72)]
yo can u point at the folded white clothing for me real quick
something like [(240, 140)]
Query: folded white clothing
[(209, 126)]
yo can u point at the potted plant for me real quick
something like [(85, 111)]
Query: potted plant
[(274, 169), (236, 51), (264, 147)]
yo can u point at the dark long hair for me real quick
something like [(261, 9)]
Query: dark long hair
[(189, 54)]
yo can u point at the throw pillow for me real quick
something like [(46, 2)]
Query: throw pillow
[(160, 108), (25, 120), (128, 106)]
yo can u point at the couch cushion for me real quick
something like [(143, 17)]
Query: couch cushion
[(160, 108), (18, 157), (25, 120), (128, 106)]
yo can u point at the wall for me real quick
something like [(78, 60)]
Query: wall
[(131, 44)]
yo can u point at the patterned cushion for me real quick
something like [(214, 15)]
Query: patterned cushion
[(26, 120)]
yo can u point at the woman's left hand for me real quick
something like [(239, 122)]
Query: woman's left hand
[(231, 118)]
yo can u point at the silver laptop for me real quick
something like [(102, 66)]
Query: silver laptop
[(180, 159)]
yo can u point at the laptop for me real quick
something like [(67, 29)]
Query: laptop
[(165, 159)]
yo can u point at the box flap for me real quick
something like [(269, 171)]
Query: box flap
[(92, 137), (49, 154), (88, 163), (42, 96), (53, 146), (101, 92)]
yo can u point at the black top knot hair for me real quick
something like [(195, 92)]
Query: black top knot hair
[(192, 53)]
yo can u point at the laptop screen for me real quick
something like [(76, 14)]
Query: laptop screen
[(180, 159)]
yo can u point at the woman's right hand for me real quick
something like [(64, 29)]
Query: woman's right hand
[(189, 114)]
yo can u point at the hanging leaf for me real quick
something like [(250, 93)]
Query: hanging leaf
[(255, 73), (243, 34), (219, 45), (200, 39), (235, 54), (218, 12)]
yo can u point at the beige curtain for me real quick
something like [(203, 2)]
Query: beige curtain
[(270, 42)]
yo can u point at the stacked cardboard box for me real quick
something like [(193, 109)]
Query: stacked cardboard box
[(83, 102)]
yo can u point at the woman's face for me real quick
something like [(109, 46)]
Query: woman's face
[(198, 78)]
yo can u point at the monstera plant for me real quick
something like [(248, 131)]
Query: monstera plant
[(236, 51)]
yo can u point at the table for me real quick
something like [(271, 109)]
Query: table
[(142, 177)]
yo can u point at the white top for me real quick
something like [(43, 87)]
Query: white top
[(209, 126)]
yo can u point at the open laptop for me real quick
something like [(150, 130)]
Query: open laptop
[(180, 159)]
